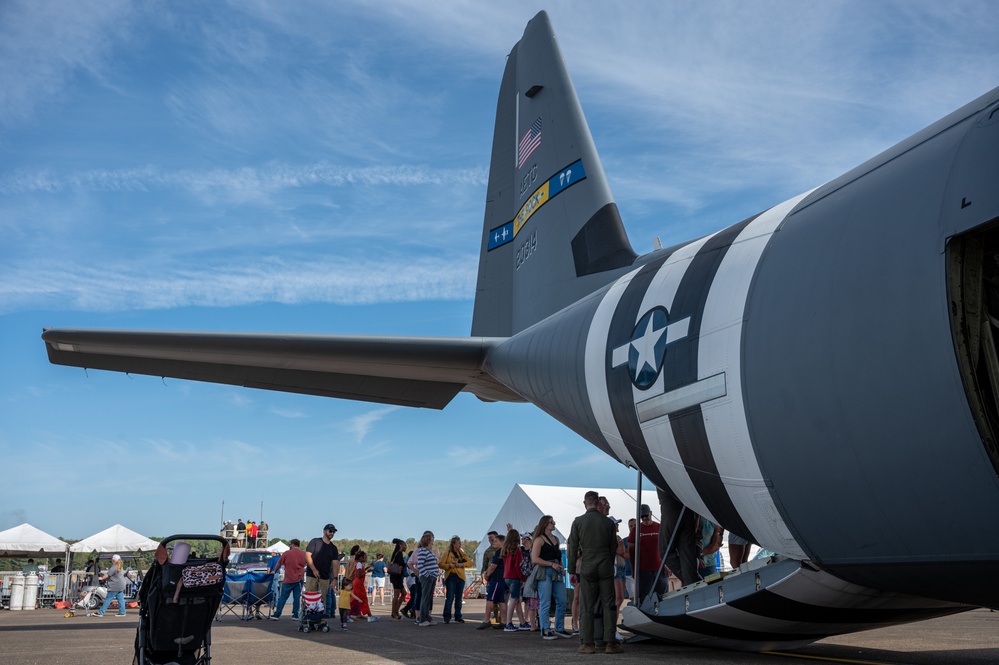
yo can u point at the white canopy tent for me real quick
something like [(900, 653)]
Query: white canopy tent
[(28, 541), (115, 540), (526, 504), (278, 548)]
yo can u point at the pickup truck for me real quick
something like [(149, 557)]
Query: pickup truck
[(247, 561)]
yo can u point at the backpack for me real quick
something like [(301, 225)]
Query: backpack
[(525, 562)]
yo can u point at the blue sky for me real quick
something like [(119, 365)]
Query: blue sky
[(321, 167)]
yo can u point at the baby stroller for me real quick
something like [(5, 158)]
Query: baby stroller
[(313, 615), (177, 604), (91, 598)]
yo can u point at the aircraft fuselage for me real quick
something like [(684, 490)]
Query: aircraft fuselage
[(795, 377)]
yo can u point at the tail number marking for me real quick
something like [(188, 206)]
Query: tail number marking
[(527, 249)]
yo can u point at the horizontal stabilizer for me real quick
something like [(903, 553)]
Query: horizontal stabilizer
[(408, 371)]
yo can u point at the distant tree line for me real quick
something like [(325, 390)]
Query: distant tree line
[(210, 548), (375, 547)]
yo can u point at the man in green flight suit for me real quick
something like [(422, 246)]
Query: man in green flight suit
[(594, 536)]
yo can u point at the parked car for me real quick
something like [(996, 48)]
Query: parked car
[(248, 561)]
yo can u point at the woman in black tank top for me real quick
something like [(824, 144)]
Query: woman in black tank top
[(551, 578), (549, 551)]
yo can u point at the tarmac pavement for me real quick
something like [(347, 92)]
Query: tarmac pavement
[(46, 636)]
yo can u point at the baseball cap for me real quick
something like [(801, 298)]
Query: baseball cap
[(646, 510), (329, 527), (116, 558), (614, 519)]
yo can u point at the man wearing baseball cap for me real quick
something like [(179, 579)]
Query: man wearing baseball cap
[(648, 541), (322, 562)]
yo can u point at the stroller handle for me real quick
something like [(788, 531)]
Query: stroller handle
[(192, 536), (223, 555)]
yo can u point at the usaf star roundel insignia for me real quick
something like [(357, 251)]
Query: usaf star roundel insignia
[(647, 348)]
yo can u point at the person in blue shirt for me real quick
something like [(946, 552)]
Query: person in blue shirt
[(378, 578), (711, 540)]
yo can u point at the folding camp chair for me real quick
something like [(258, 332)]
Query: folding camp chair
[(233, 597), (259, 595)]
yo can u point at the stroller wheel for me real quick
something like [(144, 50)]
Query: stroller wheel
[(305, 629), (326, 629)]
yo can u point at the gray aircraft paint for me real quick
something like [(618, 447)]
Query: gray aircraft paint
[(545, 279), (807, 386), (727, 468), (862, 264)]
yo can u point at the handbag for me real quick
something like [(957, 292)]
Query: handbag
[(394, 569)]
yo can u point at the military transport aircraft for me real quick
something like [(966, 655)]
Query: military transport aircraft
[(821, 378)]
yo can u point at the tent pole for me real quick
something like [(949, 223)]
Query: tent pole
[(69, 571), (638, 541)]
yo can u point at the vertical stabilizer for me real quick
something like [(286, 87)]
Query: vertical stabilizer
[(552, 232)]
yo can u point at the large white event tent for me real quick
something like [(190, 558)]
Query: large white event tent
[(526, 504), (28, 541), (115, 540)]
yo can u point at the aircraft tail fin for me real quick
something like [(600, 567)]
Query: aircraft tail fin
[(552, 233)]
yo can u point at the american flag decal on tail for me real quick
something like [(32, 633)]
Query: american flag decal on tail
[(529, 142)]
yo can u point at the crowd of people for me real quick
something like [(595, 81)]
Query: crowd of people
[(524, 574), (247, 534)]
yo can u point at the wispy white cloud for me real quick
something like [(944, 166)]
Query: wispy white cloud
[(240, 400), (469, 456), (44, 45), (718, 105), (360, 426), (699, 101), (240, 184), (71, 240), (288, 413), (715, 108), (371, 451), (125, 286)]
